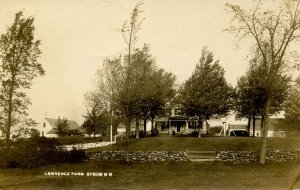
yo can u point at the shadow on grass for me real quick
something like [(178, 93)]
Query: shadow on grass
[(160, 175)]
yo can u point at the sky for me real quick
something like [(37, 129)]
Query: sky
[(77, 35)]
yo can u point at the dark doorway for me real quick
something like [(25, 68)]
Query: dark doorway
[(178, 125)]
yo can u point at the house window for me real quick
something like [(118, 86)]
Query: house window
[(44, 124)]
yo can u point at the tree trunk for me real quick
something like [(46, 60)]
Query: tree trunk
[(94, 134), (137, 128), (152, 122), (253, 125), (262, 126), (9, 118), (248, 126), (128, 129), (199, 129), (265, 122), (145, 126)]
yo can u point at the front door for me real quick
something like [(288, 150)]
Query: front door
[(178, 125)]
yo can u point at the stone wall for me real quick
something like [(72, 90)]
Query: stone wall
[(253, 156), (157, 156), (84, 146), (179, 156)]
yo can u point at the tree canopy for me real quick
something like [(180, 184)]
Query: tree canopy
[(19, 53), (272, 32), (251, 92), (206, 93), (62, 126), (292, 107)]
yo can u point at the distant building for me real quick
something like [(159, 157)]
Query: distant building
[(234, 121), (121, 130), (49, 129), (277, 128), (178, 122)]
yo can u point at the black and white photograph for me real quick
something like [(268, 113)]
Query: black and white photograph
[(149, 94)]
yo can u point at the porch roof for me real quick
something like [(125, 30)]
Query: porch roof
[(179, 118)]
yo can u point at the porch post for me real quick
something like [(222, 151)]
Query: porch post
[(186, 125)]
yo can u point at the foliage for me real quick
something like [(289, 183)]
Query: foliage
[(251, 92), (76, 156), (32, 153), (19, 53), (195, 133), (62, 126), (206, 93), (96, 121), (37, 152), (142, 134), (292, 107), (73, 132), (131, 86), (153, 88), (130, 91), (173, 133), (126, 95), (272, 32), (154, 132), (100, 110), (25, 132)]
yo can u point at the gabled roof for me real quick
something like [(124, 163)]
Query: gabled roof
[(52, 131), (73, 124)]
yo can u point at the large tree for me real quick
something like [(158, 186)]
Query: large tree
[(251, 93), (19, 53), (62, 126), (206, 93), (98, 117), (101, 101), (129, 31), (272, 32), (155, 87)]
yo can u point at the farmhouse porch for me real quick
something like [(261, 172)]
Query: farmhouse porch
[(178, 124)]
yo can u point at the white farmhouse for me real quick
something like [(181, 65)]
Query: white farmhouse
[(49, 129)]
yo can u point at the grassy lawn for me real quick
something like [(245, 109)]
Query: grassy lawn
[(170, 143), (167, 175)]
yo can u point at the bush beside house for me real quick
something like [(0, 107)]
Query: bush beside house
[(37, 152)]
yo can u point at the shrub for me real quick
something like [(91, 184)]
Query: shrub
[(34, 133), (73, 132), (37, 152), (154, 132), (142, 134), (131, 134), (195, 133), (2, 144), (77, 156)]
